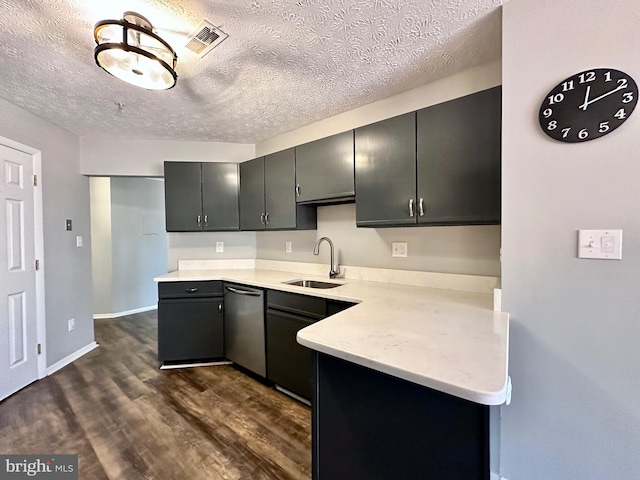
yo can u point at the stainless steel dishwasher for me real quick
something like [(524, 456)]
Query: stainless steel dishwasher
[(244, 327)]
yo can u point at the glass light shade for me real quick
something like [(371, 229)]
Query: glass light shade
[(133, 53)]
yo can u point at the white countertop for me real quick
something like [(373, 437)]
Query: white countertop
[(447, 340)]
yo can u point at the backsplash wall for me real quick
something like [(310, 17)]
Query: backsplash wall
[(473, 250), (202, 245)]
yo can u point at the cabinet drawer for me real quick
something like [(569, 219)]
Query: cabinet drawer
[(313, 307), (190, 289)]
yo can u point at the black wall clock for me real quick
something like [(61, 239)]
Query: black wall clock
[(588, 105)]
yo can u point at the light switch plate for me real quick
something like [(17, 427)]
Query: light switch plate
[(603, 244), (79, 241)]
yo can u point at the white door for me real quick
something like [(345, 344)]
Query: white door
[(18, 325)]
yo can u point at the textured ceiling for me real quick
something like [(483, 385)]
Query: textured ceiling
[(286, 63)]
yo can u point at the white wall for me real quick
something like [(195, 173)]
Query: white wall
[(130, 157), (65, 196), (575, 329), (469, 250)]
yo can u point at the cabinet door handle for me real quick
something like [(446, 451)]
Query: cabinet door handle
[(199, 220), (421, 207), (262, 218), (298, 190), (206, 220), (220, 308), (191, 290), (411, 207), (266, 218)]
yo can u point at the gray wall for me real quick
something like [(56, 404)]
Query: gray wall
[(139, 241), (65, 195), (129, 242), (202, 245), (467, 250), (575, 330)]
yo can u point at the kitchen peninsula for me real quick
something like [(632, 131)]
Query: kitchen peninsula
[(438, 355)]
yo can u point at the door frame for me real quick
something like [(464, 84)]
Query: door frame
[(38, 232)]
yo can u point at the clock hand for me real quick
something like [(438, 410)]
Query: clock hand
[(586, 98), (584, 106)]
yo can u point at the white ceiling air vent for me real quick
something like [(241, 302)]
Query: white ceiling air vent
[(205, 38)]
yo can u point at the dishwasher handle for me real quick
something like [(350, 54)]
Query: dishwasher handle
[(249, 293)]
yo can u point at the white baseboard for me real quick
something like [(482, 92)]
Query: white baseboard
[(71, 358), (98, 316), (496, 476)]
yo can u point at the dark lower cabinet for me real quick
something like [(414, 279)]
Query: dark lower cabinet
[(369, 425), (190, 321), (289, 364)]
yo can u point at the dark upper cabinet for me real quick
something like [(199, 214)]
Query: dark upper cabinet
[(220, 196), (385, 173), (459, 160), (437, 166), (280, 193), (183, 196), (252, 195), (324, 169), (201, 196), (268, 195)]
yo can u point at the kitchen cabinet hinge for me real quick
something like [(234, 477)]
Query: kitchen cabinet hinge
[(35, 180), (39, 349), (37, 264)]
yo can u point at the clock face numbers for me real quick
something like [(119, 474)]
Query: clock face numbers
[(588, 105)]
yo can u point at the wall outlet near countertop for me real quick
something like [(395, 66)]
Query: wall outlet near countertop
[(287, 247), (399, 249), (219, 247)]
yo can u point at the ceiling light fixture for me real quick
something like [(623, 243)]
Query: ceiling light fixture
[(129, 50)]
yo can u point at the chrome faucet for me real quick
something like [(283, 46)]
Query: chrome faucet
[(334, 272)]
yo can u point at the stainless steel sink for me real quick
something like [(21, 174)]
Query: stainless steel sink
[(304, 282)]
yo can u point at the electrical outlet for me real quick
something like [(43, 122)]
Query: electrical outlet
[(287, 247), (71, 324), (219, 247), (399, 249)]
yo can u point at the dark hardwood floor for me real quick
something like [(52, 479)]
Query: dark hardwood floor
[(128, 420)]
